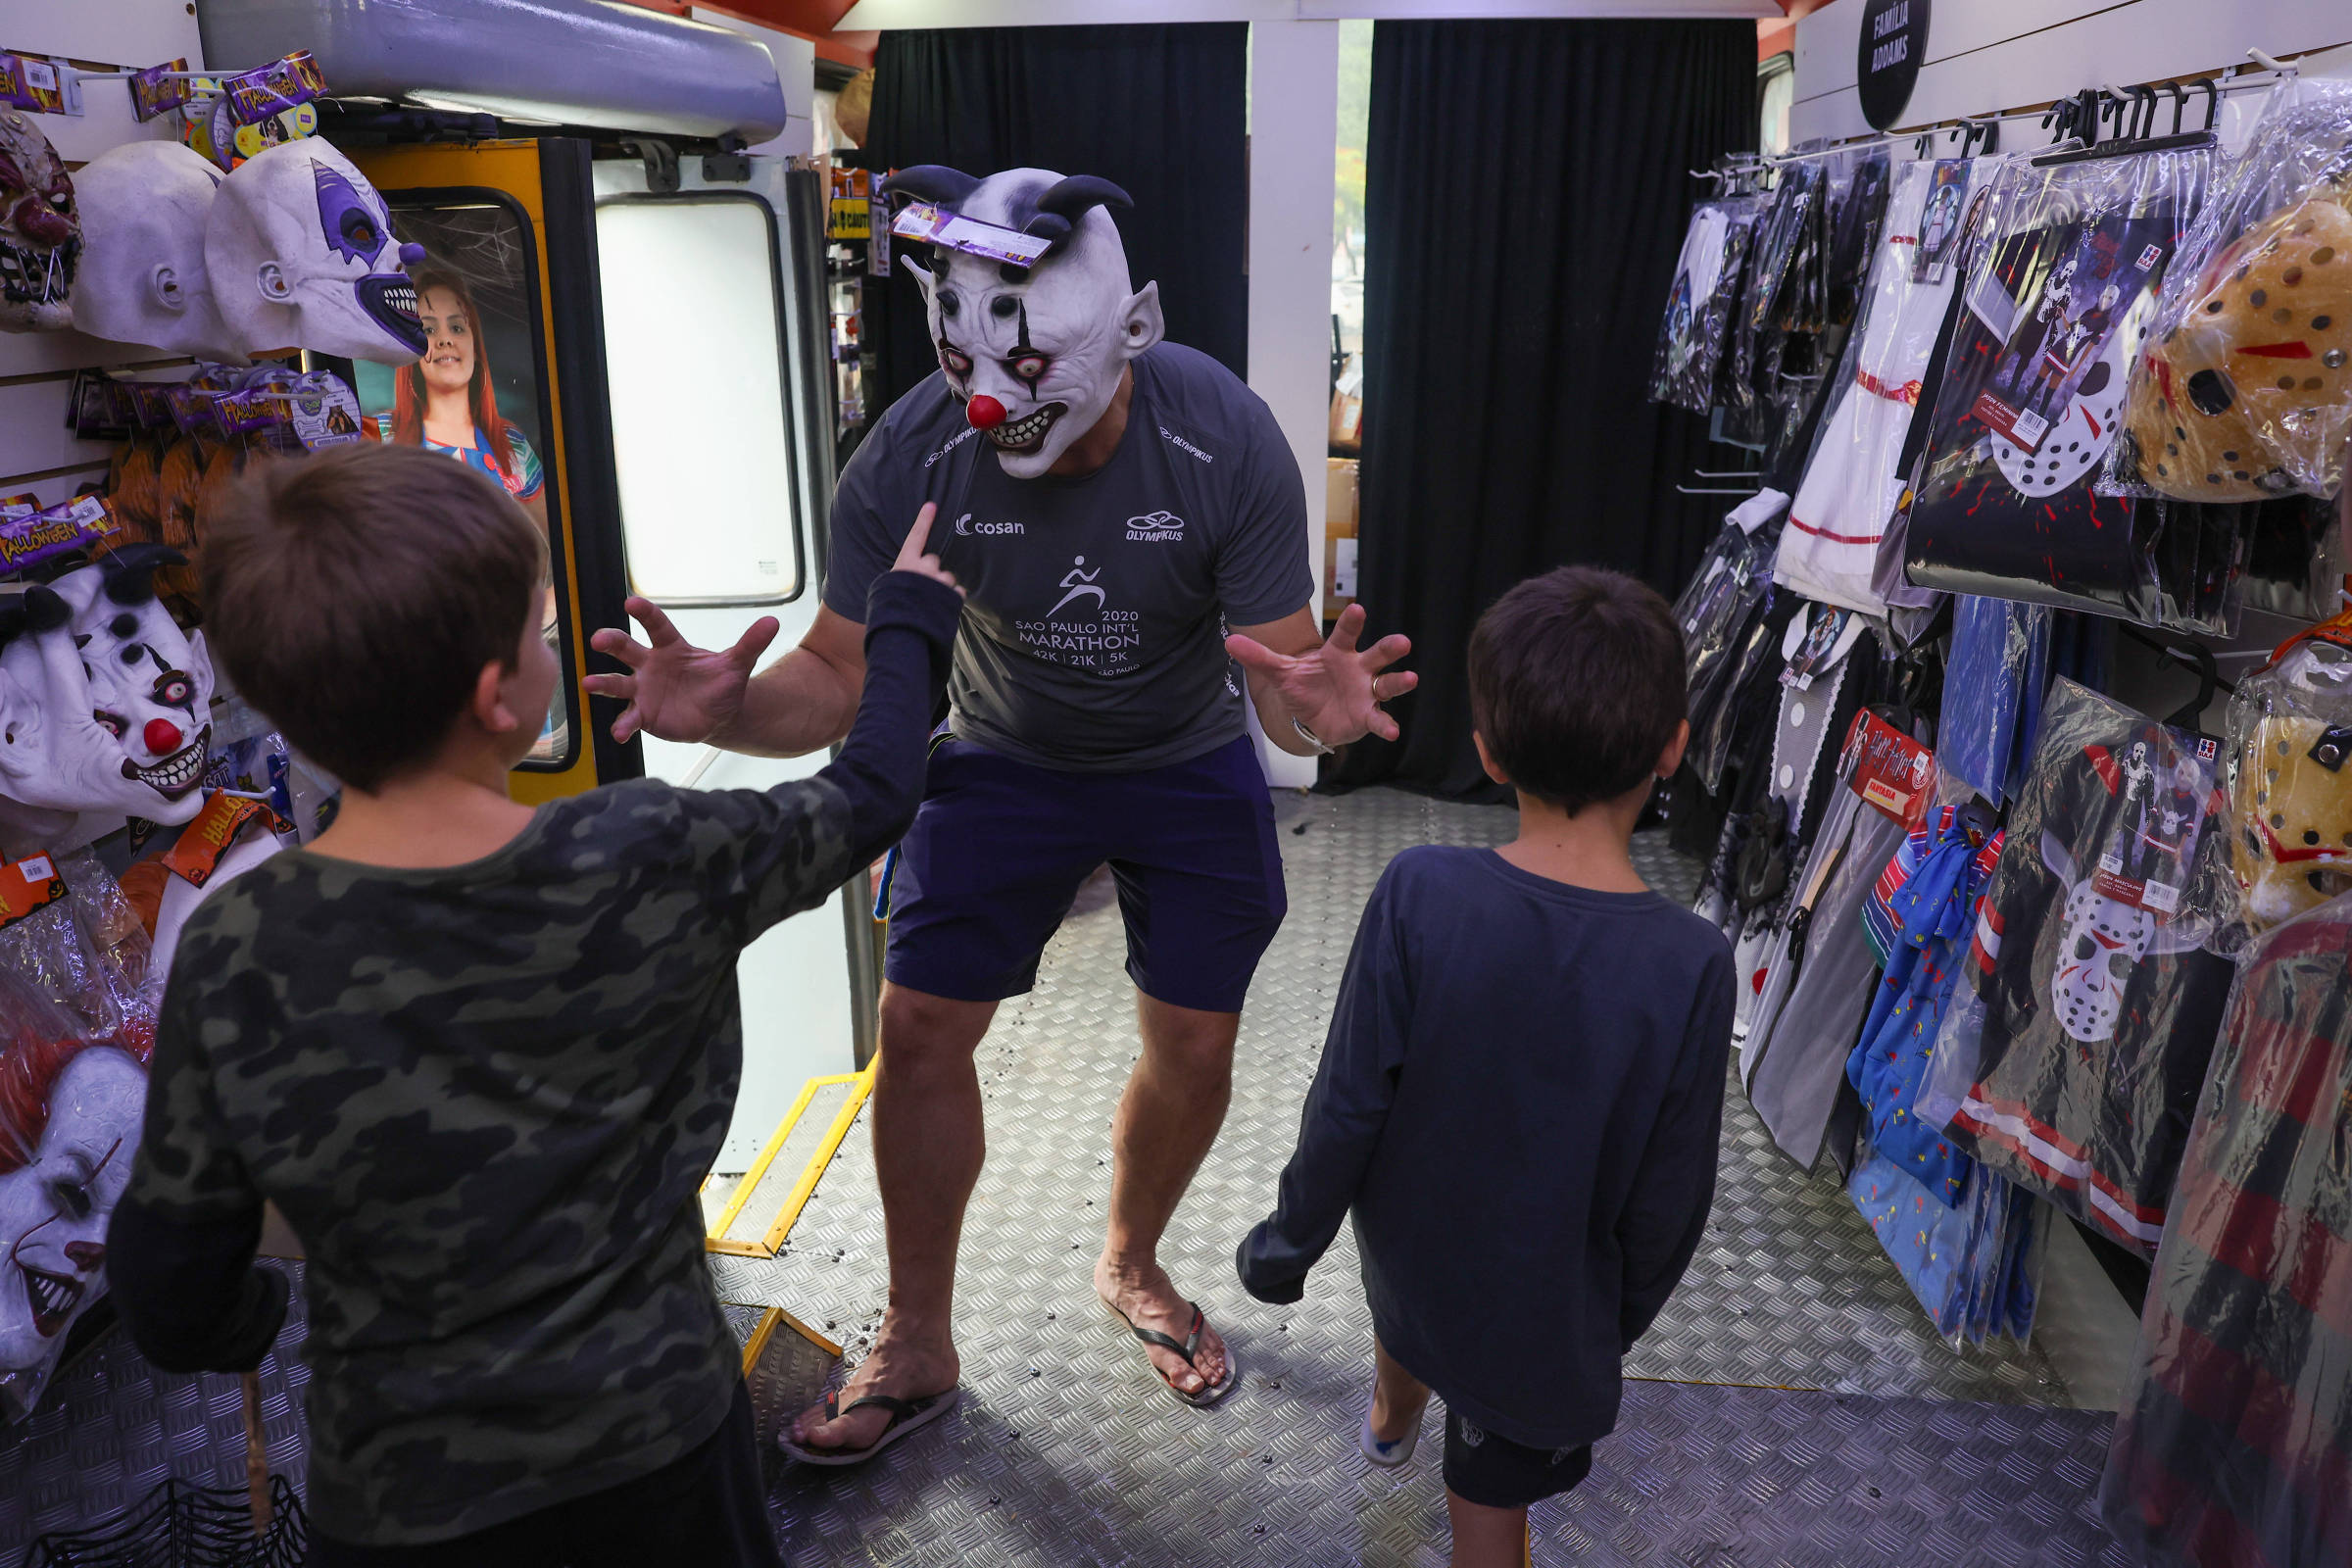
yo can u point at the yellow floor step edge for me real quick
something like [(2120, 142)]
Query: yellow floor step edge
[(722, 1236)]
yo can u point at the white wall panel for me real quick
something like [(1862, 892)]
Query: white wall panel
[(1995, 54)]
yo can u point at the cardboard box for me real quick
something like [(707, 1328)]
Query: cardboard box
[(1339, 535)]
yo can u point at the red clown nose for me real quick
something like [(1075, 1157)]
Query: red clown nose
[(163, 737), (984, 412)]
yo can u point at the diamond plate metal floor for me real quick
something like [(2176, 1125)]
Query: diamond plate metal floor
[(1892, 1448), (1063, 1450)]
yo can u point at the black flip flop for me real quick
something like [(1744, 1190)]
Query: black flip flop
[(906, 1417), (1189, 1347)]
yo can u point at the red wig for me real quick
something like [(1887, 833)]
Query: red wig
[(481, 398), (29, 1069)]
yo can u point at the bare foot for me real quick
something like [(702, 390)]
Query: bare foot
[(898, 1365), (1152, 1301)]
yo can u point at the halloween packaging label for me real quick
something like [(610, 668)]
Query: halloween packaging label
[(30, 538), (97, 410), (202, 843), (927, 225), (27, 885), (324, 410), (1893, 773), (30, 83), (257, 95), (159, 88)]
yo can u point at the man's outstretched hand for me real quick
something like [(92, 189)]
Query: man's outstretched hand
[(683, 693), (1335, 690), (674, 689)]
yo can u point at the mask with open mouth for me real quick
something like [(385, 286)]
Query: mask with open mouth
[(1036, 353), (105, 702), (70, 1114), (142, 277), (301, 254), (40, 231)]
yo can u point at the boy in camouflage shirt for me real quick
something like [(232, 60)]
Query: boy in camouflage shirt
[(481, 1056)]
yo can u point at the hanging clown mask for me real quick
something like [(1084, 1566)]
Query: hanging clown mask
[(142, 277), (40, 231), (299, 253), (2291, 729), (1029, 302), (104, 703)]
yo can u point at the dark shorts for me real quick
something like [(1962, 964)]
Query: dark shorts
[(708, 1508), (999, 848), (1498, 1473)]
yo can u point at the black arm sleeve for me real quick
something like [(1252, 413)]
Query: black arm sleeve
[(910, 637), (1346, 1111), (1661, 1226), (190, 1292)]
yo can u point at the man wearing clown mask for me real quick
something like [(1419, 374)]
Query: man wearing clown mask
[(1113, 505)]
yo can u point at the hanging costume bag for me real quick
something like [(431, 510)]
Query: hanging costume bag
[(2060, 289)]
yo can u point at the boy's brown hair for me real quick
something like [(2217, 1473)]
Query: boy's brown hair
[(353, 596), (1577, 684)]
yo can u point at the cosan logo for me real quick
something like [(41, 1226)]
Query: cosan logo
[(967, 528), (1156, 526)]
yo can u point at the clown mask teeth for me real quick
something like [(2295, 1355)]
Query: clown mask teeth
[(177, 774), (52, 1297), (1019, 435)]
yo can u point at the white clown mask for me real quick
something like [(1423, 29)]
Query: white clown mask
[(142, 277), (40, 231), (299, 253), (1036, 354), (104, 703)]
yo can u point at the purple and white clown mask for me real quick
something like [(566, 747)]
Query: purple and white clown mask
[(1035, 352), (300, 253)]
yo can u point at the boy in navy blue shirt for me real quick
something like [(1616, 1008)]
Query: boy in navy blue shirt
[(1523, 1087)]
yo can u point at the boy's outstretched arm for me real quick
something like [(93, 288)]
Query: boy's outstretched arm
[(785, 849), (1674, 1186), (179, 1248), (1346, 1111)]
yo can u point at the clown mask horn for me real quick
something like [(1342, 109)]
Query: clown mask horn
[(1036, 354)]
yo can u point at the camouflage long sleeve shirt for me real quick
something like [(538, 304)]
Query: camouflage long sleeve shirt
[(484, 1097)]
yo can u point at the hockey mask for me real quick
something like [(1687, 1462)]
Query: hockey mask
[(40, 231), (2250, 394), (2104, 941), (1036, 353), (300, 253), (2291, 729), (104, 703), (142, 279)]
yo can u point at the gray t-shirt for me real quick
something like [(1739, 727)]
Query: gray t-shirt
[(1093, 638)]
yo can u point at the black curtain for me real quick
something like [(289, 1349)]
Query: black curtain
[(1526, 196), (1157, 110)]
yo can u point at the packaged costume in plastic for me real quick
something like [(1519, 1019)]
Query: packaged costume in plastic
[(2244, 387), (2290, 741), (1818, 311), (2060, 289), (1856, 478), (1929, 919), (1702, 301), (1992, 693), (2234, 1445), (1972, 1267), (70, 1105), (1785, 228), (2100, 1001)]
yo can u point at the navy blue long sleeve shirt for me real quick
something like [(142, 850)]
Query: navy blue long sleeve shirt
[(1519, 1102)]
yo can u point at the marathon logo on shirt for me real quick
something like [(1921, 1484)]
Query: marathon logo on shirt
[(1155, 526), (1082, 631)]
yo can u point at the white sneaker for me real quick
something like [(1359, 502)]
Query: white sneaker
[(1388, 1455)]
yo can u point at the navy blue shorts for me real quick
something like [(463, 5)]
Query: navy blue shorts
[(999, 848)]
